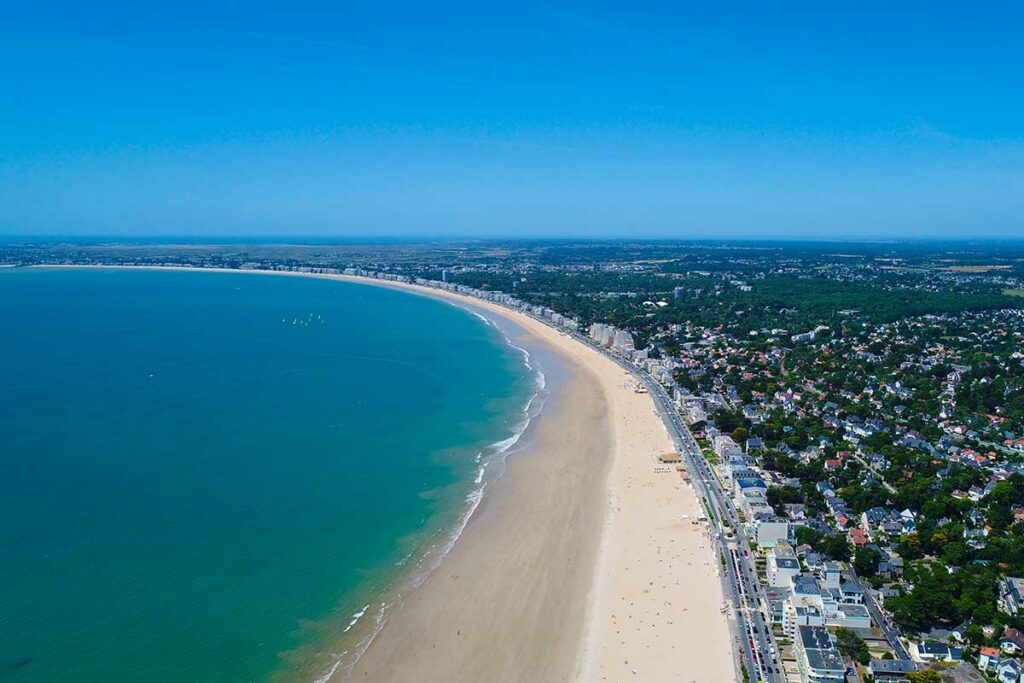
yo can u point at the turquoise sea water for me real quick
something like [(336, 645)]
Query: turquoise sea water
[(204, 475)]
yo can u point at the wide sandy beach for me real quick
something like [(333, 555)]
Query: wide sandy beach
[(581, 563)]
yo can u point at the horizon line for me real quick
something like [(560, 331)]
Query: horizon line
[(310, 240)]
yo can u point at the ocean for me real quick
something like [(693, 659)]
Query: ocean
[(211, 476)]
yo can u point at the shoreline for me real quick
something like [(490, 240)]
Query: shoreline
[(433, 556), (641, 599)]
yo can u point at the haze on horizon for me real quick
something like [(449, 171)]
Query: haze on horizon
[(807, 120)]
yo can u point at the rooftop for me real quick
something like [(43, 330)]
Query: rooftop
[(892, 666), (854, 610), (805, 585), (815, 637), (825, 660)]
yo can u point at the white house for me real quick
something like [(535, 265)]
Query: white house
[(770, 534), (931, 651), (1008, 671), (988, 659)]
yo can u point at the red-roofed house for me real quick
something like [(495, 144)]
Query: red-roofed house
[(857, 536), (988, 659)]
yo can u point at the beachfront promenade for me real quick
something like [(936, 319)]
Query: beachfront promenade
[(756, 658), (755, 647), (739, 578)]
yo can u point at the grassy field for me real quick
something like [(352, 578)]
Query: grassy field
[(975, 269)]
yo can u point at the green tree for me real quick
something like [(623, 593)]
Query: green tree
[(807, 535), (782, 495), (909, 547), (836, 547), (730, 420), (852, 645), (955, 553), (926, 676), (866, 561)]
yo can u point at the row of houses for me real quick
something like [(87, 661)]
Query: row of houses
[(995, 662), (749, 489)]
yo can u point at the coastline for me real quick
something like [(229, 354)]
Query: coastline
[(613, 582)]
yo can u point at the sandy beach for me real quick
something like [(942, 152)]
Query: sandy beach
[(581, 563), (653, 599), (509, 601)]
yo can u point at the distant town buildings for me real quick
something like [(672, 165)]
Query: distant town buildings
[(612, 337)]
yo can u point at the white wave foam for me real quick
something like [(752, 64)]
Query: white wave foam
[(432, 558), (487, 321), (326, 676), (340, 661), (494, 452), (355, 618)]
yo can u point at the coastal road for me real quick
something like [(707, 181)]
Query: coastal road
[(759, 653), (891, 633), (745, 591)]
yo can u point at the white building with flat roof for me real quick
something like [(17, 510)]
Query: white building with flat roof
[(771, 534), (817, 657), (782, 566)]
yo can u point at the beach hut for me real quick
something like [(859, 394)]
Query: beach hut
[(670, 457)]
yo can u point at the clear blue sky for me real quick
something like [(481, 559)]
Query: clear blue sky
[(820, 119)]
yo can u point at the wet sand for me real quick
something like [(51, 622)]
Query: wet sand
[(509, 601)]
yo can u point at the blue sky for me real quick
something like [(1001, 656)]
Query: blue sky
[(803, 120)]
